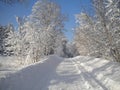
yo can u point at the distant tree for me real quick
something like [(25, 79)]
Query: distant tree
[(62, 50), (3, 35), (10, 40), (72, 50), (84, 35)]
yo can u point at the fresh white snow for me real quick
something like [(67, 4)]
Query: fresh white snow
[(8, 65), (55, 73)]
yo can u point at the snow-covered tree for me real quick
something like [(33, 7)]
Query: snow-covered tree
[(62, 50), (108, 15), (84, 35), (22, 43), (5, 32), (113, 9), (15, 42), (44, 29), (101, 33), (3, 36), (72, 50), (48, 21), (10, 41)]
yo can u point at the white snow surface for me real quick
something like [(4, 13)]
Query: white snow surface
[(55, 73), (9, 64)]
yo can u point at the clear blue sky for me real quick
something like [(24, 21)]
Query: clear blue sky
[(68, 7)]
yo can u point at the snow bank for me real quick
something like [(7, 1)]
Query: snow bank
[(28, 77), (9, 64), (103, 71), (55, 73)]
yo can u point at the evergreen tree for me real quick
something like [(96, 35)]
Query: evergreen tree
[(3, 35), (10, 40)]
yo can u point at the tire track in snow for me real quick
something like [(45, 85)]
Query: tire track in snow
[(91, 82)]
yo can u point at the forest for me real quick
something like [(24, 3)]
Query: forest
[(42, 32), (38, 54)]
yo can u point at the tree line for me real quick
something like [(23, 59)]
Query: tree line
[(99, 35), (41, 33)]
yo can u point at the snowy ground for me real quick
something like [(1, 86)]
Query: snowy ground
[(8, 65), (55, 73)]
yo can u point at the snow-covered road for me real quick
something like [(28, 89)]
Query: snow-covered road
[(55, 73)]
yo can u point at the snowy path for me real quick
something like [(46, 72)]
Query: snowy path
[(79, 73)]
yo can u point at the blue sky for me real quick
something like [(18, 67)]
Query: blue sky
[(68, 7)]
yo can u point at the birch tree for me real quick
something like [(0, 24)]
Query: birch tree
[(44, 29), (101, 32)]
